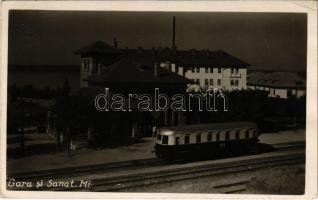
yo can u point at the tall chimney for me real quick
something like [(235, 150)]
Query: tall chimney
[(174, 33), (156, 70)]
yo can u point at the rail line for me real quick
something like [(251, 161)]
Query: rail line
[(87, 169), (123, 182), (179, 174), (124, 165)]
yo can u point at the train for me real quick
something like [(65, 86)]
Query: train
[(177, 142)]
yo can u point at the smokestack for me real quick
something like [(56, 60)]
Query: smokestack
[(174, 33), (156, 70)]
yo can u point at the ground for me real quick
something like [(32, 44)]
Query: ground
[(274, 180), (41, 151), (41, 154)]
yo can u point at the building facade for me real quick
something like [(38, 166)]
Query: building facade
[(278, 84), (207, 69)]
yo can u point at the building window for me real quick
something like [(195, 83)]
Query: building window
[(227, 135), (236, 82), (232, 70), (289, 93), (274, 91), (177, 69), (211, 82), (86, 64), (232, 82), (206, 82), (206, 70), (219, 70), (192, 80), (236, 70), (237, 135), (192, 69), (177, 140), (164, 139), (209, 139), (198, 69), (187, 139), (246, 134), (217, 137), (219, 82), (197, 81), (211, 70), (198, 138)]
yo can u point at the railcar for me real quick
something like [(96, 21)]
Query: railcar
[(195, 140)]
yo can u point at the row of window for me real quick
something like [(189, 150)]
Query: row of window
[(198, 137), (208, 81), (209, 137), (219, 82), (207, 70), (211, 70)]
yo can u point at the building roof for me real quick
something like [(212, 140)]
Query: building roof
[(276, 79), (97, 48), (137, 70), (186, 58), (190, 58), (207, 58)]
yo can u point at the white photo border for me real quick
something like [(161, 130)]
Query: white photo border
[(309, 7)]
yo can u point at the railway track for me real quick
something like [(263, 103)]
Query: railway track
[(179, 174), (161, 173), (88, 169)]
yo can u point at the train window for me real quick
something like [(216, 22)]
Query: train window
[(177, 140), (246, 133), (237, 135), (164, 139), (198, 138), (218, 136), (227, 135), (209, 137), (187, 139)]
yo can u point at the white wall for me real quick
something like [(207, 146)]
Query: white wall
[(225, 76), (279, 92)]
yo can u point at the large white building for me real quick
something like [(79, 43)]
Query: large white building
[(208, 69)]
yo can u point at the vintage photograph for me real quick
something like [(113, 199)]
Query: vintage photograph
[(156, 102)]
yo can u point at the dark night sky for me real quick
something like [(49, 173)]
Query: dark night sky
[(265, 40)]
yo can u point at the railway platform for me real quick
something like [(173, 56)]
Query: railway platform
[(141, 150)]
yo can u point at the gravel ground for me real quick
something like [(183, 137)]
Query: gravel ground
[(273, 180)]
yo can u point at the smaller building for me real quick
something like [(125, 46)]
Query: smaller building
[(278, 84)]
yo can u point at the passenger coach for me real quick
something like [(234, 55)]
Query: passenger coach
[(179, 141)]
